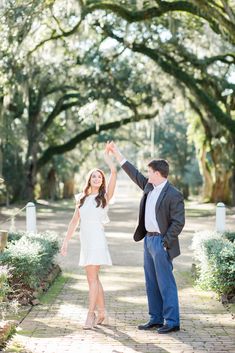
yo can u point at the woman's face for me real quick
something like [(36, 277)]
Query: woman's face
[(96, 179)]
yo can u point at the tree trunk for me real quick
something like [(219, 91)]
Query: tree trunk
[(206, 175), (49, 187), (31, 169), (30, 182), (3, 239), (221, 191), (233, 186), (69, 188)]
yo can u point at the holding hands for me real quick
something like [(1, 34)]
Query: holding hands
[(107, 158), (112, 148)]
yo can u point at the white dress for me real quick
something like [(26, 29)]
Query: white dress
[(94, 249)]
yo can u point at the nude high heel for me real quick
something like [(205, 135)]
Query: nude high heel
[(102, 317), (90, 321)]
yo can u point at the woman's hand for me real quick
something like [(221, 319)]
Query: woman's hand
[(113, 175), (107, 158), (63, 249), (110, 147)]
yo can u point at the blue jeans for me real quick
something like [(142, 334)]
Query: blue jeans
[(160, 283)]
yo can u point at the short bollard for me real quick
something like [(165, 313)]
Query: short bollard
[(3, 239), (220, 217), (31, 224)]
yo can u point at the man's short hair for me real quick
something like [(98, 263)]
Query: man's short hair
[(160, 165)]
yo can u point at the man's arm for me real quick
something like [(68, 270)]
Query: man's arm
[(135, 175), (131, 171), (177, 218)]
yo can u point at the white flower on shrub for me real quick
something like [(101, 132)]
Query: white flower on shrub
[(198, 242)]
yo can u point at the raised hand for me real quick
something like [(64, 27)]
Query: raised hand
[(112, 147), (107, 149), (107, 158)]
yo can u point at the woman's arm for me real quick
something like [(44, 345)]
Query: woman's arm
[(71, 230), (113, 175)]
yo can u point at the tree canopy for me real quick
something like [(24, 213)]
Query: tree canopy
[(72, 72)]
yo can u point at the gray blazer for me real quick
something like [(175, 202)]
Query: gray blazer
[(170, 213)]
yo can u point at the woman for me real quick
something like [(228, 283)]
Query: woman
[(91, 209)]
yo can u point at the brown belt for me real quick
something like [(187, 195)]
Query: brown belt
[(151, 234)]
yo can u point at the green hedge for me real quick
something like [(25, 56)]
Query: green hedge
[(30, 257), (5, 289), (215, 254), (13, 236), (4, 285), (230, 236)]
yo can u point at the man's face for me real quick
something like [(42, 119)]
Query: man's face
[(153, 176)]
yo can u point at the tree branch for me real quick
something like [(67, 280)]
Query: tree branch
[(223, 22), (56, 36), (68, 146), (171, 67), (212, 17), (59, 107), (146, 14)]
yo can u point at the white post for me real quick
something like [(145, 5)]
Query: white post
[(3, 239), (220, 217), (31, 225)]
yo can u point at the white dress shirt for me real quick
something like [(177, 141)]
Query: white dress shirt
[(151, 224), (123, 161)]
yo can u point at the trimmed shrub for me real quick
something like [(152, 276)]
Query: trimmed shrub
[(230, 236), (30, 257), (4, 285), (5, 289), (13, 236), (216, 261)]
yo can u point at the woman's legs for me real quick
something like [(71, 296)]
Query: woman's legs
[(100, 299), (100, 305), (96, 292), (93, 282)]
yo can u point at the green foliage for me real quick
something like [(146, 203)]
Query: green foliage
[(4, 285), (51, 102), (13, 169), (230, 236), (50, 296), (31, 257), (216, 256), (13, 236), (172, 143), (5, 288)]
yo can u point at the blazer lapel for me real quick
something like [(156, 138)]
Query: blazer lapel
[(162, 194), (148, 188)]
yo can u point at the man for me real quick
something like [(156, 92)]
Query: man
[(161, 219)]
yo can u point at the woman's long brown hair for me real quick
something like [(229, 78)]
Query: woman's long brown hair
[(100, 198)]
